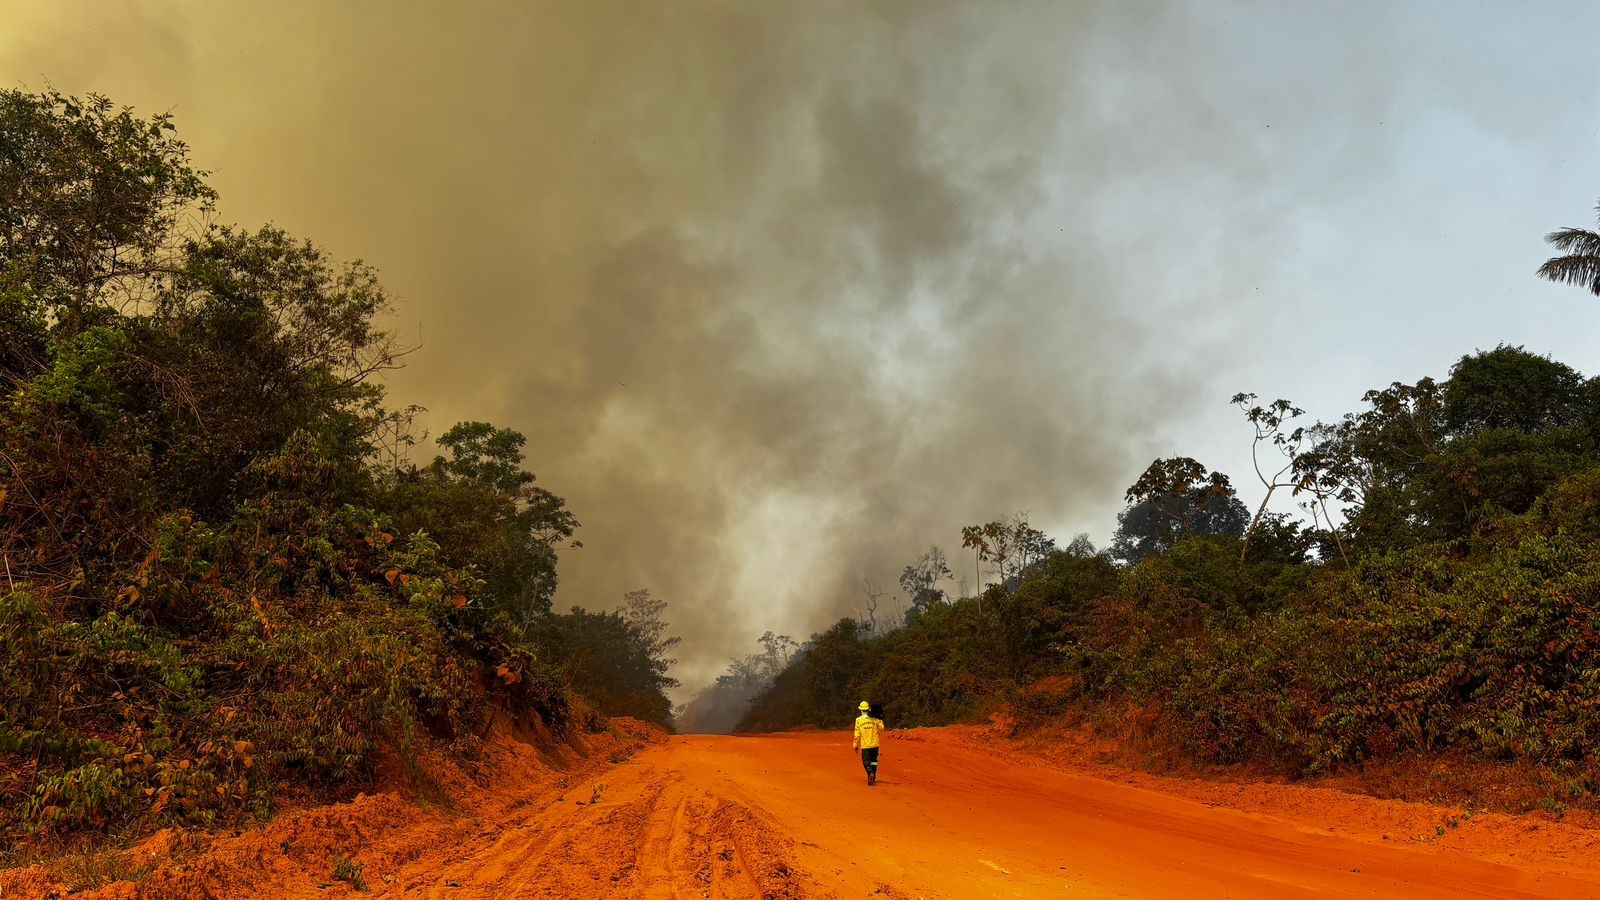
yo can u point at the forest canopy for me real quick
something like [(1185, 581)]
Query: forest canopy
[(223, 574), (1437, 594), (226, 577)]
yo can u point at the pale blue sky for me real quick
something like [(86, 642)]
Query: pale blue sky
[(1361, 199)]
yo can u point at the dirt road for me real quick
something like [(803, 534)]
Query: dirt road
[(789, 816), (625, 815)]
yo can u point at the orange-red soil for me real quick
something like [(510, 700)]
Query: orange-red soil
[(790, 816)]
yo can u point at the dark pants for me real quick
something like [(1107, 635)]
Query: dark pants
[(869, 760)]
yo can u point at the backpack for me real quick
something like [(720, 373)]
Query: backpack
[(875, 710)]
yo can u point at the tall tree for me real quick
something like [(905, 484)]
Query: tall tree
[(1080, 547), (194, 517), (921, 579), (643, 613), (611, 661), (1579, 262), (777, 649), (1178, 488), (1270, 423), (1328, 472), (1011, 546), (1379, 453), (1509, 387), (487, 511), (1028, 548), (91, 202), (1175, 498), (976, 538)]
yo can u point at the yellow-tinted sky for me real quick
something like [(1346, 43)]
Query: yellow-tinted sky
[(782, 293)]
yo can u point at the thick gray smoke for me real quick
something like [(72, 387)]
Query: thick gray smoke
[(780, 293)]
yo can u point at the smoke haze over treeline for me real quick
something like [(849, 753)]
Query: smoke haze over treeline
[(780, 294)]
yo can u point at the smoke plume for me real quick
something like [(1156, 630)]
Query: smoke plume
[(779, 293)]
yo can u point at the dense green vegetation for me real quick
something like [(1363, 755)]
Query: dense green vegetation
[(1439, 595), (222, 577)]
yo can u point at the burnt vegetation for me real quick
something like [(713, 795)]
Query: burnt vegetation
[(223, 578)]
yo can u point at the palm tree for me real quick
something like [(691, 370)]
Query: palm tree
[(1580, 262)]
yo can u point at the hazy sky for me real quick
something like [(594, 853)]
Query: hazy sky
[(781, 293)]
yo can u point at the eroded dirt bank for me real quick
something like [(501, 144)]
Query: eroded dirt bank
[(788, 816)]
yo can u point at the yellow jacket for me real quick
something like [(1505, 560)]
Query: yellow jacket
[(868, 731)]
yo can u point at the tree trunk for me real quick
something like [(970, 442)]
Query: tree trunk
[(977, 572), (1337, 541), (1260, 511)]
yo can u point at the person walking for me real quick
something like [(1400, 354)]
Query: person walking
[(869, 733)]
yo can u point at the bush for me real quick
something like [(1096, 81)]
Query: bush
[(209, 596)]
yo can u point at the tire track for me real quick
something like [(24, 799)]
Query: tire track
[(649, 836)]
